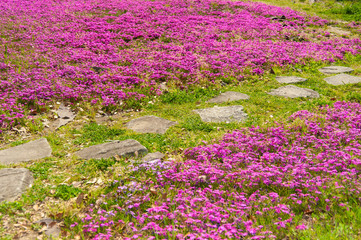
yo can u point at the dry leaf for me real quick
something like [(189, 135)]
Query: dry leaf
[(36, 207)]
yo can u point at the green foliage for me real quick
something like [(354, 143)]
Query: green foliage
[(353, 97), (95, 164), (66, 192), (41, 170), (342, 224), (349, 10), (10, 208), (187, 96), (95, 133), (194, 123)]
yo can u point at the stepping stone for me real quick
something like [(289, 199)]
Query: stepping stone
[(26, 152), (290, 79), (125, 148), (52, 228), (335, 70), (150, 157), (342, 79), (222, 114), (14, 182), (229, 97), (150, 124), (338, 31), (65, 114), (292, 91)]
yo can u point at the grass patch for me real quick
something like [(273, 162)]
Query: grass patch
[(95, 133), (66, 192)]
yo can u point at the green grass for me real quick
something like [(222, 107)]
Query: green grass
[(347, 10), (66, 192), (327, 226)]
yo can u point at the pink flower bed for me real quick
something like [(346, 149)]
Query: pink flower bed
[(255, 183), (109, 51)]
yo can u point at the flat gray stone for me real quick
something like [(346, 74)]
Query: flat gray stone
[(292, 91), (33, 150), (222, 114), (125, 148), (65, 114), (152, 156), (290, 79), (335, 70), (342, 79), (338, 31), (14, 182), (52, 229), (229, 97), (150, 124)]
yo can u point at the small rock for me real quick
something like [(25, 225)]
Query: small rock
[(163, 86), (125, 148), (290, 79), (26, 152), (292, 91), (14, 182), (342, 79), (77, 183), (150, 124), (152, 156), (335, 70), (229, 97), (203, 178), (222, 114)]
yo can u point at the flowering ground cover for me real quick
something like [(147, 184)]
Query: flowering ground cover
[(109, 53), (255, 183), (297, 178)]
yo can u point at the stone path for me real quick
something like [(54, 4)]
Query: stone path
[(335, 70), (292, 91), (290, 79), (342, 79), (229, 97), (125, 148), (150, 124), (26, 152), (222, 114), (13, 182)]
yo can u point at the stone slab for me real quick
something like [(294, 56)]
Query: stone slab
[(125, 148), (150, 124), (290, 79), (33, 150), (229, 97), (51, 227), (338, 31), (153, 156), (335, 70), (222, 114), (65, 114), (14, 182), (292, 91), (342, 79)]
